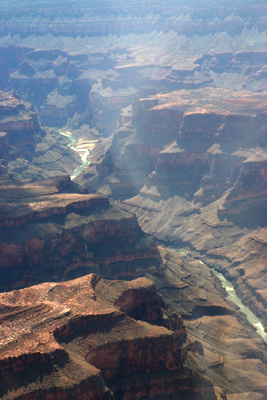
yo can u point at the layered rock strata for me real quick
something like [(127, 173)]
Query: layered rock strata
[(27, 149), (238, 252), (70, 339), (50, 231), (76, 79), (192, 159), (246, 202), (229, 350), (208, 188), (184, 20), (19, 121), (183, 146)]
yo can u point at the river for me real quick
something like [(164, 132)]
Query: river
[(232, 296), (227, 285), (84, 153)]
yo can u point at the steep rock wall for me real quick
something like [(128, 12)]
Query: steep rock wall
[(27, 149), (79, 344), (48, 234)]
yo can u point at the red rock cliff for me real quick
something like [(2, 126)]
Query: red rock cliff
[(68, 340), (48, 234)]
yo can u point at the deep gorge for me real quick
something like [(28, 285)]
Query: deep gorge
[(123, 128)]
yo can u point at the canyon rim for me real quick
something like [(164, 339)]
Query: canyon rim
[(133, 209)]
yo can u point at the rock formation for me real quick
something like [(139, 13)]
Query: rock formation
[(207, 190), (19, 122), (50, 231), (75, 339), (170, 101), (221, 337), (247, 200), (27, 149)]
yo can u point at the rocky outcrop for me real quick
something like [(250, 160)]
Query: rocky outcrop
[(55, 86), (194, 162), (244, 262), (49, 231), (247, 200), (221, 336), (70, 339), (20, 132), (106, 105), (27, 149), (19, 121), (179, 172), (134, 150), (4, 143), (207, 191), (182, 146), (139, 300), (237, 251), (251, 63), (74, 80), (224, 168), (70, 100)]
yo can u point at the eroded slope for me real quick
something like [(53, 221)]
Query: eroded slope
[(71, 339)]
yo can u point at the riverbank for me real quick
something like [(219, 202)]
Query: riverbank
[(232, 296), (221, 343)]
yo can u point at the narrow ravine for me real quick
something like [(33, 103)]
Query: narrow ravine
[(84, 153), (232, 296)]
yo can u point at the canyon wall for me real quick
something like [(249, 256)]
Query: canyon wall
[(50, 231), (28, 150), (207, 191), (75, 336), (171, 104)]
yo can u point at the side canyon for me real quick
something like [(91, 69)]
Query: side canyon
[(133, 165)]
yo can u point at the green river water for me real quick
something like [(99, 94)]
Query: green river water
[(84, 153), (232, 296), (227, 285)]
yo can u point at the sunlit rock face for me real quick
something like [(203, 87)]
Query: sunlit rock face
[(79, 337)]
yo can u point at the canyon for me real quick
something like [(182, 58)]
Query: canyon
[(80, 339), (107, 283), (51, 232)]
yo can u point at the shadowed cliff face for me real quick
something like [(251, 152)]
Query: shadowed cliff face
[(222, 338), (185, 147), (246, 202), (20, 125), (208, 188), (225, 178), (171, 102), (28, 150), (50, 234)]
